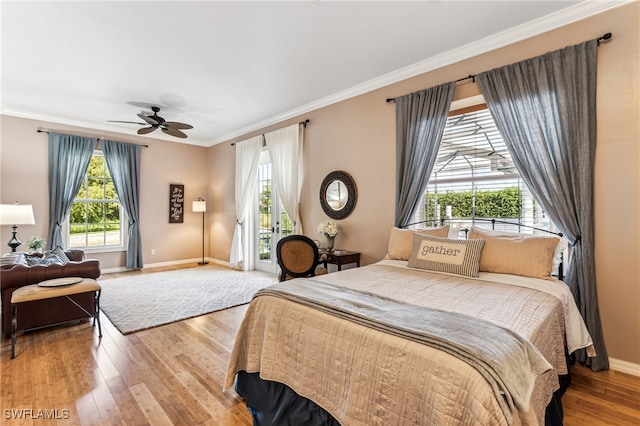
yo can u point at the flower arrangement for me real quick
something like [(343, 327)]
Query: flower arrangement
[(35, 243), (328, 228)]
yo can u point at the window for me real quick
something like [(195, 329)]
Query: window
[(96, 218), (474, 177)]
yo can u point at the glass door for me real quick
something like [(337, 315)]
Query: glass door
[(273, 222)]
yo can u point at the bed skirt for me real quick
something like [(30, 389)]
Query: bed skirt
[(272, 403)]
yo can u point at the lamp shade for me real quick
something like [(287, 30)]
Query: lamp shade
[(16, 214), (199, 206)]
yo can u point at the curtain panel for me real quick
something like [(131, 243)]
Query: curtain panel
[(123, 161), (285, 150), (420, 121), (69, 157), (545, 109), (247, 163)]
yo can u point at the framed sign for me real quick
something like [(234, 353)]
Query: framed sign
[(176, 203)]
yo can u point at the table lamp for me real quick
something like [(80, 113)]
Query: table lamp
[(14, 215)]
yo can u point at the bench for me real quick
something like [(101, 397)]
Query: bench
[(52, 289)]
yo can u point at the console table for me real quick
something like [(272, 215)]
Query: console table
[(340, 257)]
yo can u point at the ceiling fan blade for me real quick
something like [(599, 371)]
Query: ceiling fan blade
[(148, 119), (176, 125), (128, 122), (174, 132), (146, 130)]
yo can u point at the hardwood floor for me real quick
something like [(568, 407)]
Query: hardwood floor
[(173, 374)]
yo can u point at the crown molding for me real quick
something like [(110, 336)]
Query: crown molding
[(530, 29), (92, 128)]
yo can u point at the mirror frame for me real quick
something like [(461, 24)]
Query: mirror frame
[(352, 193)]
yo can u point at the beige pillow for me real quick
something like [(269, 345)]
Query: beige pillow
[(461, 257), (401, 240), (516, 254)]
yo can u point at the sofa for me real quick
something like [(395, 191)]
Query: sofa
[(32, 315)]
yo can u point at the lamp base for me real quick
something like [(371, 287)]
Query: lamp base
[(14, 243), (203, 263)]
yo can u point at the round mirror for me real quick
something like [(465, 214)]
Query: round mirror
[(338, 195)]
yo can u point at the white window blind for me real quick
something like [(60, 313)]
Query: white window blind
[(474, 178)]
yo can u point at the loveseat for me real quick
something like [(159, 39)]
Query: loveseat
[(14, 274)]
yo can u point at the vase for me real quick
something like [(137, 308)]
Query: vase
[(330, 242)]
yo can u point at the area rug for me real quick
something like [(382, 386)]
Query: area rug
[(148, 300)]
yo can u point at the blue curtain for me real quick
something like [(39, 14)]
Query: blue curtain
[(545, 109), (69, 157), (420, 121), (123, 161)]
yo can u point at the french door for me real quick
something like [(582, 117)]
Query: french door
[(273, 222)]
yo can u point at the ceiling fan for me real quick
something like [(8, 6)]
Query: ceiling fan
[(156, 122)]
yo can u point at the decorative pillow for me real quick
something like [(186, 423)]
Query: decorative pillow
[(516, 254), (454, 233), (47, 259), (461, 257), (558, 253), (14, 258), (61, 254), (401, 240)]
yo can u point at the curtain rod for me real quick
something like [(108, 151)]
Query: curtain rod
[(304, 123), (599, 40), (99, 138)]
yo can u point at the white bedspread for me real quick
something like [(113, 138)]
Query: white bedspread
[(367, 377)]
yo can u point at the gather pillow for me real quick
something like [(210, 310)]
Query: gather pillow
[(516, 254), (401, 240), (461, 257)]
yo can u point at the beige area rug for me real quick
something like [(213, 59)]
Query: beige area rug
[(143, 301)]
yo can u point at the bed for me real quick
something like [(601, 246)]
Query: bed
[(413, 339)]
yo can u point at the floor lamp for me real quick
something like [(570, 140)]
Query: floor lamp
[(200, 206), (14, 215)]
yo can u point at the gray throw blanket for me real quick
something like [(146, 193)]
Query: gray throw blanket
[(508, 362)]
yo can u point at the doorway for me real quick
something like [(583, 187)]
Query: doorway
[(273, 223)]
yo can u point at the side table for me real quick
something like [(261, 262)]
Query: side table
[(340, 257)]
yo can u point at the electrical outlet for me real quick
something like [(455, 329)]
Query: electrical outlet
[(153, 252)]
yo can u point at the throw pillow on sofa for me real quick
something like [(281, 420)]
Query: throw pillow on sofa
[(48, 259), (58, 251)]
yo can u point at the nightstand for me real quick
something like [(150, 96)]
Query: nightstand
[(340, 257)]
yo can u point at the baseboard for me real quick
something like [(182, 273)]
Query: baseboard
[(624, 366), (170, 263)]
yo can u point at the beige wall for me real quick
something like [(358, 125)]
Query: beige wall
[(358, 136), (24, 178)]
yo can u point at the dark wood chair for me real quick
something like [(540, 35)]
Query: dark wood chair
[(298, 257)]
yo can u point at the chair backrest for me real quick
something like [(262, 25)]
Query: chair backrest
[(297, 256)]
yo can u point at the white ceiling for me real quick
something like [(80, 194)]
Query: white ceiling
[(229, 68)]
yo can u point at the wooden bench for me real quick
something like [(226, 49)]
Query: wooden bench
[(46, 290)]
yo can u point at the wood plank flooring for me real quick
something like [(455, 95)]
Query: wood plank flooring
[(173, 375)]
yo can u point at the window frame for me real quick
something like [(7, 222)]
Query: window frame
[(124, 224)]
